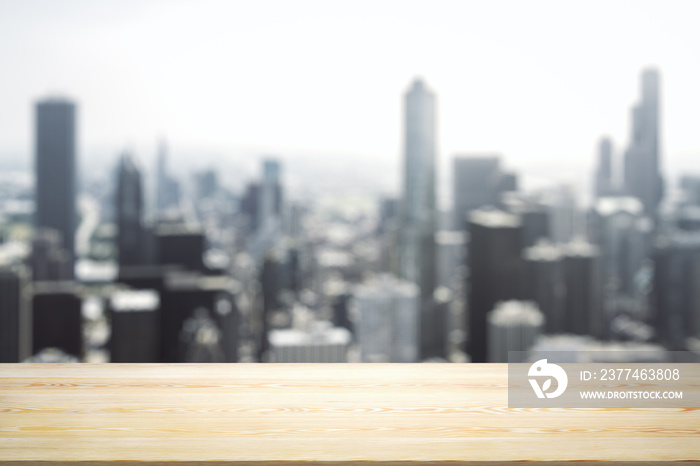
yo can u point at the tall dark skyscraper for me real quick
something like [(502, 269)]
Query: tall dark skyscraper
[(14, 324), (583, 304), (604, 184), (418, 214), (544, 282), (55, 165), (495, 271), (130, 235), (642, 177)]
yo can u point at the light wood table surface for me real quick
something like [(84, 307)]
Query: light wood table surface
[(313, 413)]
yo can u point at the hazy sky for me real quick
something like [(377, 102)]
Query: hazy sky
[(536, 81)]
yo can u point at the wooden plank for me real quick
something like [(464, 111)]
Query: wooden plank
[(320, 414)]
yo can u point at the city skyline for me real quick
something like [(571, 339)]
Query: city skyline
[(254, 264), (542, 104)]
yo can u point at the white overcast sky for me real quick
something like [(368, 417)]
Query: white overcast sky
[(537, 81)]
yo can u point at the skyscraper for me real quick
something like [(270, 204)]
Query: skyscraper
[(495, 271), (55, 165), (386, 313), (418, 215), (642, 177), (130, 234), (584, 314), (14, 322), (604, 184), (544, 282), (270, 195)]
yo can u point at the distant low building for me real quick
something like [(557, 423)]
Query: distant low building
[(321, 342), (513, 326)]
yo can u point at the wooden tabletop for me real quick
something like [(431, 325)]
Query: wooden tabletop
[(316, 413)]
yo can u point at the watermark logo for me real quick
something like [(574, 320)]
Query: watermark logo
[(542, 368)]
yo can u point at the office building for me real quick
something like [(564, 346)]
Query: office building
[(495, 267), (56, 170), (180, 245), (513, 326), (544, 283), (57, 318), (583, 305), (642, 174), (321, 342), (386, 313), (418, 213), (604, 183), (566, 220), (134, 323), (623, 234), (191, 301), (15, 335), (131, 235), (451, 247), (270, 211), (676, 296)]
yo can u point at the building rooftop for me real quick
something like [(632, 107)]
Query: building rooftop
[(515, 314), (320, 333), (611, 205), (135, 300), (543, 251), (494, 218)]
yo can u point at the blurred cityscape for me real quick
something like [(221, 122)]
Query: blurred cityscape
[(146, 266)]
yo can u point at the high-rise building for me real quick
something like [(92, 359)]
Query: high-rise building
[(604, 182), (676, 314), (271, 194), (641, 167), (451, 246), (386, 320), (566, 220), (180, 245), (623, 234), (495, 266), (57, 317), (544, 283), (129, 198), (583, 304), (192, 305), (513, 326), (478, 182), (14, 321), (134, 324), (418, 213), (55, 165)]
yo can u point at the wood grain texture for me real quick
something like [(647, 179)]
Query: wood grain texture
[(321, 414)]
